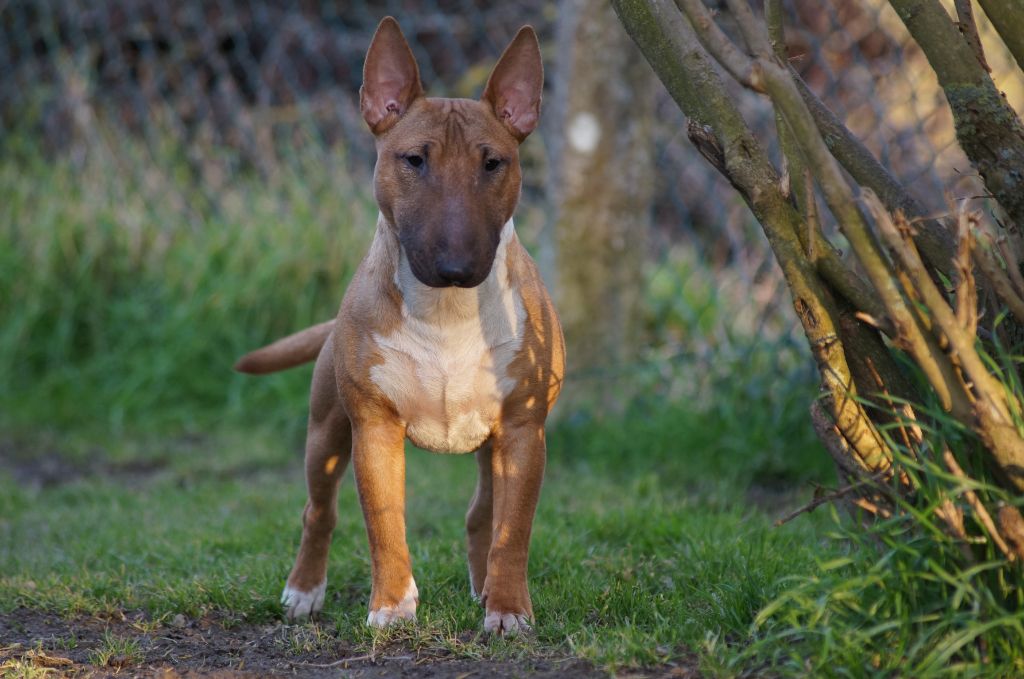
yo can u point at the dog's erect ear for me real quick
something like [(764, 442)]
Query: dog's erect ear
[(515, 85), (391, 78)]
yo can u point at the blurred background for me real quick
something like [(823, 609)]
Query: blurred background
[(183, 181)]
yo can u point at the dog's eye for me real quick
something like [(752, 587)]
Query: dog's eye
[(414, 160), (491, 164)]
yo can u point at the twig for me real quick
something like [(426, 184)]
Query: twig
[(837, 494), (356, 658), (1002, 285), (1013, 525), (922, 345), (672, 46), (839, 198), (966, 291), (872, 508), (985, 387), (748, 73), (1012, 258), (811, 215), (979, 509), (965, 18), (933, 240)]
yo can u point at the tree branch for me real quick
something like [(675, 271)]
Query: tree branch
[(1008, 18), (965, 19), (988, 130), (671, 46), (933, 239)]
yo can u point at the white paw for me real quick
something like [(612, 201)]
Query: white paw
[(506, 624), (298, 604), (403, 610)]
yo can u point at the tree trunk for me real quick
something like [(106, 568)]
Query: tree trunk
[(605, 110)]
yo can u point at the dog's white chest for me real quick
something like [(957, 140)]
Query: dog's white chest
[(445, 368)]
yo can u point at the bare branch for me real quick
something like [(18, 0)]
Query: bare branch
[(1009, 294), (802, 192), (672, 47), (718, 43), (965, 17), (1008, 18), (837, 494), (840, 201), (987, 128), (828, 263), (811, 215), (966, 291), (894, 233), (979, 509), (773, 17), (756, 39), (932, 240)]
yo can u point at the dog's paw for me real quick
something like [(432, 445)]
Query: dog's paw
[(403, 610), (298, 604), (506, 624)]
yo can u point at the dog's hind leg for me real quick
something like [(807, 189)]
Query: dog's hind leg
[(478, 521), (328, 449)]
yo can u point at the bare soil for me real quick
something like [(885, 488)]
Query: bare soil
[(206, 648)]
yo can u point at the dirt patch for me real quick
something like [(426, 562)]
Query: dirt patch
[(131, 646), (44, 466), (41, 465)]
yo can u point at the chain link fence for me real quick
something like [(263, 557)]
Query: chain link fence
[(238, 88)]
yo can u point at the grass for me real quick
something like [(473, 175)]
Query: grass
[(178, 484), (116, 651), (137, 472), (631, 567), (910, 599)]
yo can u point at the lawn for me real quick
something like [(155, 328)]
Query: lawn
[(150, 498), (654, 536)]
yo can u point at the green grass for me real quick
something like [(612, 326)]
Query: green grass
[(636, 556), (909, 599), (116, 651), (125, 284), (129, 283), (135, 290)]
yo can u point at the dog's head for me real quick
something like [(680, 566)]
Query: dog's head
[(447, 175)]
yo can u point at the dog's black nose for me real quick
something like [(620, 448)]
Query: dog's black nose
[(455, 272)]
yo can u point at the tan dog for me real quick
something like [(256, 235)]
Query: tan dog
[(446, 336)]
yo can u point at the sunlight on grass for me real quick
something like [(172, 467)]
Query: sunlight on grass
[(627, 568)]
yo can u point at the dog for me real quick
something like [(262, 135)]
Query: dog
[(445, 336)]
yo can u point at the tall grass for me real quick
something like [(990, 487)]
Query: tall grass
[(128, 289), (136, 270), (910, 598)]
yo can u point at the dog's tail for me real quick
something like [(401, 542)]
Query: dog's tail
[(287, 352)]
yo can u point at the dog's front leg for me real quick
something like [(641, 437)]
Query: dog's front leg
[(378, 458), (517, 465)]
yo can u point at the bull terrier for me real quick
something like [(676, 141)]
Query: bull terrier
[(445, 336)]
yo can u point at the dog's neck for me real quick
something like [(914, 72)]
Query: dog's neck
[(428, 304)]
